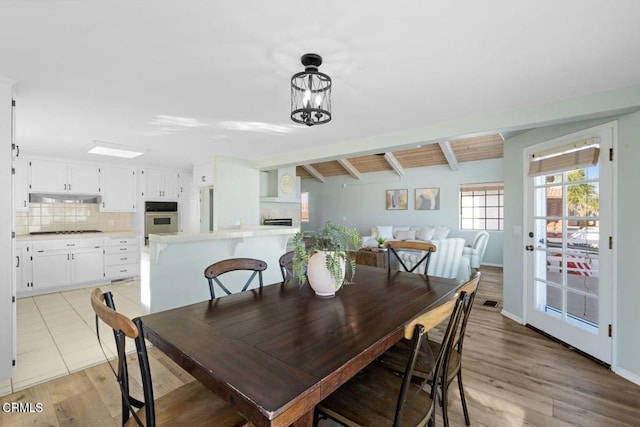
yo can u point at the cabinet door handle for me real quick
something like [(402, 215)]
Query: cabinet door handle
[(18, 264), (124, 259), (123, 249), (65, 186), (24, 203), (69, 187), (73, 256), (71, 244), (67, 257)]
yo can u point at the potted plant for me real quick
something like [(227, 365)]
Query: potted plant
[(380, 241), (326, 262)]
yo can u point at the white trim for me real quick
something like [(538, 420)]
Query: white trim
[(627, 375), (614, 249), (512, 316)]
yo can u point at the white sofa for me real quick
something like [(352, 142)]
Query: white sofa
[(447, 261), (389, 232)]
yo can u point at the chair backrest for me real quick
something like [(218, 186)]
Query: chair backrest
[(446, 262), (216, 269), (424, 250), (480, 243), (416, 330), (471, 288), (286, 264), (104, 307)]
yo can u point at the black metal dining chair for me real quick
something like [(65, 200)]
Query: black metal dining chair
[(215, 270), (286, 264), (191, 404), (377, 396), (420, 252)]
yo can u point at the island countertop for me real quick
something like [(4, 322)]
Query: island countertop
[(234, 233)]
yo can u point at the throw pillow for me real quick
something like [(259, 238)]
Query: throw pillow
[(396, 230), (440, 233), (406, 235), (425, 233), (385, 231)]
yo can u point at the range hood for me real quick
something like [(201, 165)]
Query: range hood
[(63, 198)]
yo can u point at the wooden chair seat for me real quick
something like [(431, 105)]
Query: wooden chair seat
[(191, 405), (378, 396), (370, 399)]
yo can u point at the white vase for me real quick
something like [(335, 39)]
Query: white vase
[(320, 278)]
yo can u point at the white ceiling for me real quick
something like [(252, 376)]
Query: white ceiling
[(190, 79)]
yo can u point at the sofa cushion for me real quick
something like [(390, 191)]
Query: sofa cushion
[(405, 234), (425, 233), (440, 233), (384, 231)]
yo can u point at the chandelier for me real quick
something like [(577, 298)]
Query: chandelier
[(311, 93)]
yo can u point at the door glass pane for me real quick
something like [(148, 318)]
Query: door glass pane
[(582, 310), (567, 242)]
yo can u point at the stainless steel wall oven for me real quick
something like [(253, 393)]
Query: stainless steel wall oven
[(160, 217)]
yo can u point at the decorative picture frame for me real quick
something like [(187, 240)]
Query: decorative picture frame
[(427, 199), (397, 199)]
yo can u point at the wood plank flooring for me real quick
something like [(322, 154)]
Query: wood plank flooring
[(513, 377)]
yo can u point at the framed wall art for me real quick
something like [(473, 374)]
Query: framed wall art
[(427, 199), (397, 199)]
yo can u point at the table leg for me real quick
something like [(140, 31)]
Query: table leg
[(306, 420)]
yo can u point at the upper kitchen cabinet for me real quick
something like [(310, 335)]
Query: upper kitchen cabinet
[(21, 184), (118, 186), (160, 184), (50, 176)]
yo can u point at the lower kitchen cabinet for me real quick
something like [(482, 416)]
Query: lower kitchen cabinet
[(61, 263), (121, 258), (23, 262), (53, 265)]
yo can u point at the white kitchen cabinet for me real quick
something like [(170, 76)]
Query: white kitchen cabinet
[(23, 267), (52, 176), (21, 184), (60, 263), (160, 184), (121, 258), (118, 186)]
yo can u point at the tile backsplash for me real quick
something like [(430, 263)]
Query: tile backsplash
[(70, 216)]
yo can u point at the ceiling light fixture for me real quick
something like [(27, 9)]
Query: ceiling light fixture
[(116, 150), (311, 93)]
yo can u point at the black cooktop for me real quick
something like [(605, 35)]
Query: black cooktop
[(36, 233)]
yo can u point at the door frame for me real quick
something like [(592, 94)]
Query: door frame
[(526, 267)]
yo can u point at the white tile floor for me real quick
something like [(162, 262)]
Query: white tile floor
[(56, 333)]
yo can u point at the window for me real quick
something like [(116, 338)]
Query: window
[(304, 207), (482, 206)]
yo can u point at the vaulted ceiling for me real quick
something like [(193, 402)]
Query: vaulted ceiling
[(447, 152)]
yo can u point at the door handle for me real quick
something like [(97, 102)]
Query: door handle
[(529, 248)]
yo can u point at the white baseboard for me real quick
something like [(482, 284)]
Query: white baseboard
[(627, 375), (487, 264), (512, 316)]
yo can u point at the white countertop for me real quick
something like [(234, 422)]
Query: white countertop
[(68, 236), (235, 233)]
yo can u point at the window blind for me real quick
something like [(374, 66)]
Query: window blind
[(564, 161)]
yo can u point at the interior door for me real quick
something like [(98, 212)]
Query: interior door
[(569, 255)]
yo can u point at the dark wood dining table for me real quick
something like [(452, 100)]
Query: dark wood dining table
[(276, 352)]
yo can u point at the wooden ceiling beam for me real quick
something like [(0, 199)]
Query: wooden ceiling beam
[(394, 163), (314, 173), (445, 146), (353, 171)]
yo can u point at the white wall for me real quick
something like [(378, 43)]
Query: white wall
[(236, 193), (626, 236), (6, 214), (361, 203)]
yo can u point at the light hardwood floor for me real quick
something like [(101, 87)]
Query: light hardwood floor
[(513, 377)]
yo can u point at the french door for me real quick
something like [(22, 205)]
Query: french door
[(568, 243)]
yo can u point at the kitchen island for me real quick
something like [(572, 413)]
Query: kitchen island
[(172, 267)]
